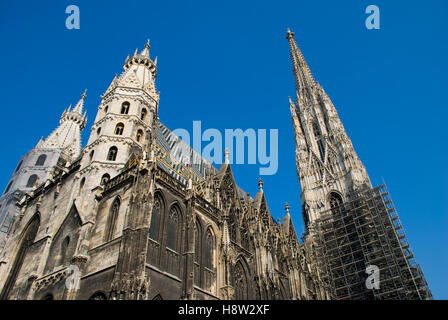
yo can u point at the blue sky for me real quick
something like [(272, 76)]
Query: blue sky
[(227, 64)]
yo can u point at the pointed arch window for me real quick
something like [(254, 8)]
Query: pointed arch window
[(112, 154), (318, 136), (197, 242), (208, 250), (197, 253), (172, 228), (64, 248), (91, 155), (240, 282), (335, 201), (31, 181), (125, 107), (155, 220), (98, 131), (139, 135), (41, 160), (112, 221), (106, 108), (119, 128), (26, 241), (143, 114), (81, 184)]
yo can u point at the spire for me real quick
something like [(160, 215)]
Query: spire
[(79, 106), (145, 51), (302, 74), (67, 136), (260, 184), (227, 154), (139, 72), (287, 208)]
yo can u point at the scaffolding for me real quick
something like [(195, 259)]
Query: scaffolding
[(366, 232)]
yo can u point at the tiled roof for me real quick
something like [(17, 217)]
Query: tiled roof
[(175, 155)]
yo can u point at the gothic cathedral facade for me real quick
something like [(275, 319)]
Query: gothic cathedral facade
[(121, 219)]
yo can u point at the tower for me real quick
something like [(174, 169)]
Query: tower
[(353, 233), (59, 149), (124, 120), (328, 167)]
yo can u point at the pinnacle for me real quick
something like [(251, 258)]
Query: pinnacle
[(79, 106), (145, 51)]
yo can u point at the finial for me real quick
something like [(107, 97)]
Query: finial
[(147, 45), (260, 184), (135, 52), (289, 34), (155, 61), (227, 154), (287, 208), (84, 93)]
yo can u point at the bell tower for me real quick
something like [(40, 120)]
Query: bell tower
[(125, 118)]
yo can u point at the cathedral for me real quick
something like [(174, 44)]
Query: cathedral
[(121, 219)]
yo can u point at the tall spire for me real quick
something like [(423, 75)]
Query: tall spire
[(302, 74), (325, 158), (67, 136)]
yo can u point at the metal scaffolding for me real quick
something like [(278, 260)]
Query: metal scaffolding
[(366, 232)]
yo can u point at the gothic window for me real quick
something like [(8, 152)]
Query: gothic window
[(41, 160), (155, 220), (91, 155), (335, 200), (232, 225), (119, 129), (64, 248), (31, 181), (112, 154), (81, 184), (197, 243), (143, 114), (172, 228), (208, 250), (112, 221), (106, 108), (9, 186), (98, 131), (18, 166), (139, 135), (245, 238), (197, 253), (240, 282), (105, 179), (125, 107), (318, 136), (98, 296), (26, 241)]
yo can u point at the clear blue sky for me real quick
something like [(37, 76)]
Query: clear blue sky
[(226, 63)]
